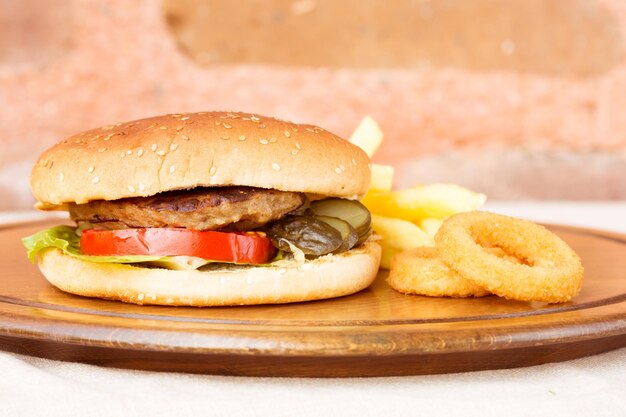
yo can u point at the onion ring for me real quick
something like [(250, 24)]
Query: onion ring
[(549, 271), (420, 271)]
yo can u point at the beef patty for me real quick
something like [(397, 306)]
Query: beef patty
[(233, 208)]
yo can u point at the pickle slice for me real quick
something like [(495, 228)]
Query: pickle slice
[(348, 234), (351, 211), (364, 236), (309, 234)]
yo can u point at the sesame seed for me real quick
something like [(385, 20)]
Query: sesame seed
[(338, 170), (163, 127), (173, 147), (213, 170), (123, 154), (140, 152), (226, 126), (140, 297), (102, 150), (218, 123), (353, 161), (179, 128), (242, 138), (131, 188), (141, 186), (176, 115), (308, 129), (254, 118), (275, 166), (184, 118), (264, 141), (273, 140), (108, 127), (287, 134), (92, 168), (61, 176), (295, 151), (161, 152), (95, 180), (298, 146), (128, 152), (153, 147), (172, 169)]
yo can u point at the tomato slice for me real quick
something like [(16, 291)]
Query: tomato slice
[(250, 247)]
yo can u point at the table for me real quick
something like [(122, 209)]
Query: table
[(589, 386)]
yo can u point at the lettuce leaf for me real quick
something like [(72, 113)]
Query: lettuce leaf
[(66, 239)]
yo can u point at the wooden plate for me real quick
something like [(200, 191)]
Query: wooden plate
[(373, 333)]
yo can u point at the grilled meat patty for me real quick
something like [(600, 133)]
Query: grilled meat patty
[(231, 208)]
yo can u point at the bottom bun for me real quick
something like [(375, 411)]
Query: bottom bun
[(325, 277)]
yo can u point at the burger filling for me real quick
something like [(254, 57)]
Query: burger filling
[(232, 208), (243, 225)]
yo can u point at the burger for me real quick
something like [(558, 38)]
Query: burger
[(205, 209)]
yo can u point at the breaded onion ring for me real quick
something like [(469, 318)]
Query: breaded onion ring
[(420, 271), (550, 270)]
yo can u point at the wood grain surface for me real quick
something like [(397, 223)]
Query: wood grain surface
[(376, 332)]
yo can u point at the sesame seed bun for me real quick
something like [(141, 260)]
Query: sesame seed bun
[(183, 151), (325, 277)]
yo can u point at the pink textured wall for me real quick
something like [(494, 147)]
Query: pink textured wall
[(66, 66)]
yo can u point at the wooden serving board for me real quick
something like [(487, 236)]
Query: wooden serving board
[(373, 333)]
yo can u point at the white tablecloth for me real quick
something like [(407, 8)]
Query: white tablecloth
[(593, 386)]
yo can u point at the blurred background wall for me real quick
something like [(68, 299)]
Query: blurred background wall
[(520, 99)]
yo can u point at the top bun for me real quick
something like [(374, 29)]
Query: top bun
[(207, 149)]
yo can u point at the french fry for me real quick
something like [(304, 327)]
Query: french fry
[(398, 235), (367, 136), (430, 201), (406, 218), (382, 177), (430, 226)]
